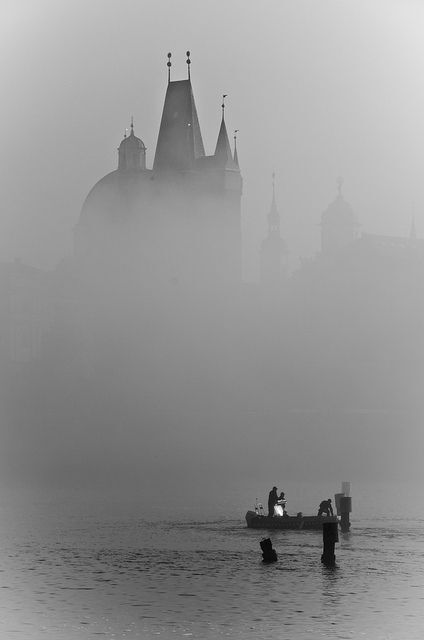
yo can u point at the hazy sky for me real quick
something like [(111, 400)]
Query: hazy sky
[(317, 88)]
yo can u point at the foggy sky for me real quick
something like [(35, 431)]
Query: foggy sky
[(317, 89)]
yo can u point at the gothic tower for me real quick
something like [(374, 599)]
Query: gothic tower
[(274, 250)]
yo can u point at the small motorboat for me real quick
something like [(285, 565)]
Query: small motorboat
[(256, 520)]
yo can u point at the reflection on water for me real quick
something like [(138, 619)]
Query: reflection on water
[(97, 576)]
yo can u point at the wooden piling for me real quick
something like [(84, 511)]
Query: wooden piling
[(345, 509), (268, 553), (330, 536)]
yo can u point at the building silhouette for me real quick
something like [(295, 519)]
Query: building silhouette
[(339, 226), (178, 222)]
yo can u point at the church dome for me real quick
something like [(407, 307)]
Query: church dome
[(131, 153), (339, 225), (339, 212)]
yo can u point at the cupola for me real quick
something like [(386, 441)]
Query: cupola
[(131, 153)]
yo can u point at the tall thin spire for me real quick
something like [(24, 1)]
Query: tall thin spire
[(188, 63), (224, 95), (132, 126), (274, 264), (339, 186), (169, 65), (235, 148)]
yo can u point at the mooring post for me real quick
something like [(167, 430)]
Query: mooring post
[(330, 536), (345, 509), (268, 553)]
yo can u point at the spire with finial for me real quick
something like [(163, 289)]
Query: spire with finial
[(274, 263), (223, 149), (169, 65), (339, 186), (224, 95), (188, 63), (132, 126), (235, 147)]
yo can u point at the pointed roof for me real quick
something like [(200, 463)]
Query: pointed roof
[(180, 140), (235, 156), (223, 153)]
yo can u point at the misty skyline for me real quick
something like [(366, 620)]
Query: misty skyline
[(317, 90)]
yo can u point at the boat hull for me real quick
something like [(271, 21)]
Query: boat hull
[(254, 521)]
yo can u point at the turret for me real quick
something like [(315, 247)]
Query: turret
[(131, 153)]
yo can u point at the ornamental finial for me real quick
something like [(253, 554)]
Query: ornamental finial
[(169, 65)]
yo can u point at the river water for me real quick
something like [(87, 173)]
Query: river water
[(78, 566)]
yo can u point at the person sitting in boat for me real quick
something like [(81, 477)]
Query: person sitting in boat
[(272, 501), (326, 508)]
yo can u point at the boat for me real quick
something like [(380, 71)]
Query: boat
[(298, 522)]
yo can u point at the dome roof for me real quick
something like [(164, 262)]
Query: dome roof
[(339, 212), (132, 141), (115, 195)]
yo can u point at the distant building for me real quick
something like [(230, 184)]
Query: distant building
[(274, 266), (339, 225), (177, 223), (26, 312)]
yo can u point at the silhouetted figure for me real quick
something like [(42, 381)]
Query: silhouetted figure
[(282, 500), (326, 508), (268, 553), (280, 507), (272, 500)]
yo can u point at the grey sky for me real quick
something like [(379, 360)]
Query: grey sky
[(317, 88)]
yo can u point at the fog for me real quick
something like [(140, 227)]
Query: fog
[(142, 344)]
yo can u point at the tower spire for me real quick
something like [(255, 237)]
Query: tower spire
[(224, 95), (339, 186), (274, 263), (132, 126), (235, 147), (188, 63), (169, 65)]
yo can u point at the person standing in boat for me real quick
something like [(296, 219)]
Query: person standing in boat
[(326, 508), (272, 501)]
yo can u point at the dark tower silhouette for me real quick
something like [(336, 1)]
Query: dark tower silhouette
[(274, 250)]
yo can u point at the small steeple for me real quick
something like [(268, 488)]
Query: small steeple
[(223, 150), (235, 157), (274, 263)]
